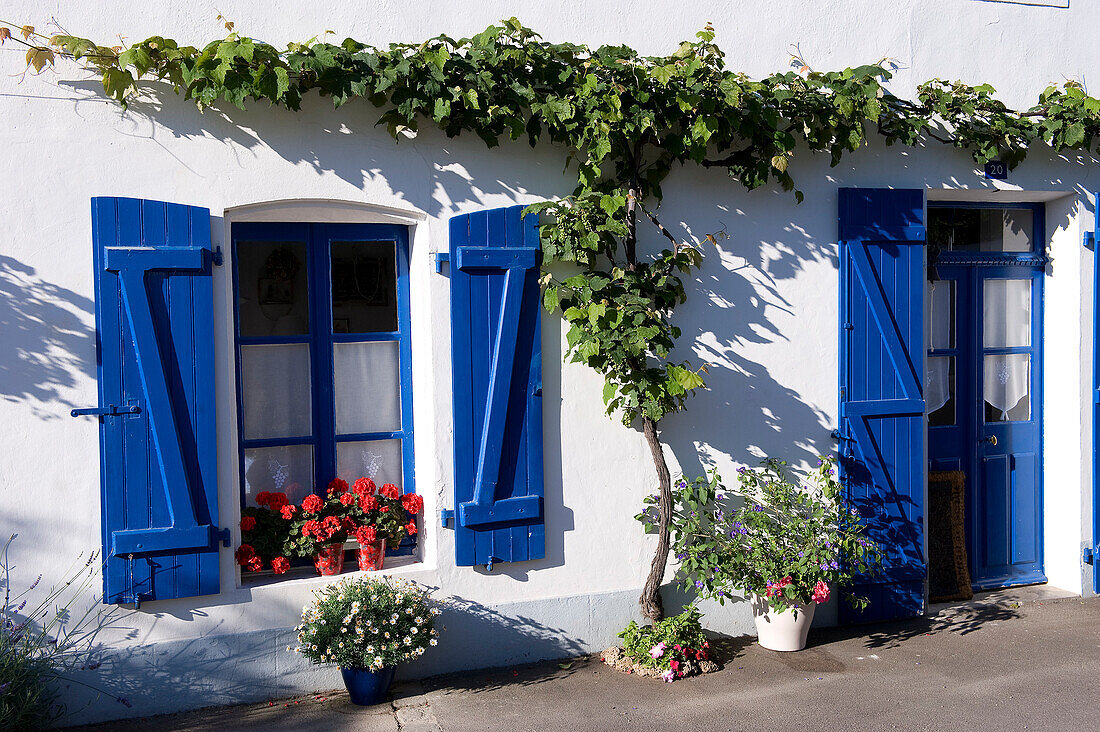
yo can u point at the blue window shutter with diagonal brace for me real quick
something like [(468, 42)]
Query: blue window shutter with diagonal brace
[(497, 387), (882, 265), (155, 347)]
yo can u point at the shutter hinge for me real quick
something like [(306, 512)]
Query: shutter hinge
[(440, 258), (848, 326), (445, 516), (1089, 240), (222, 535), (1087, 554), (218, 257)]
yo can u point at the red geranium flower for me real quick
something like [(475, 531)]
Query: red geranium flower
[(368, 503), (366, 535), (275, 501), (347, 499), (245, 552), (348, 525), (248, 523), (389, 490), (337, 487), (262, 498), (255, 564), (312, 503), (363, 487), (412, 503), (280, 565), (410, 528), (309, 528), (288, 511)]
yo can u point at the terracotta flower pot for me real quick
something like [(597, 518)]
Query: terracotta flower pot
[(782, 631), (330, 559), (371, 556)]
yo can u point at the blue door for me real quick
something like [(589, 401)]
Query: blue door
[(983, 380)]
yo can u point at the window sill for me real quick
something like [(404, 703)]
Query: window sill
[(401, 564)]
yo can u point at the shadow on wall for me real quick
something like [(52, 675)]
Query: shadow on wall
[(48, 340), (465, 627)]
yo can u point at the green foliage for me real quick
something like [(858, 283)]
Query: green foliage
[(367, 623), (44, 636), (669, 645), (785, 537)]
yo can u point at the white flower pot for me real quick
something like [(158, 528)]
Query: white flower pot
[(782, 631)]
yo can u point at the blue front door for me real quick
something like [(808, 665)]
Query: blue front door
[(983, 380)]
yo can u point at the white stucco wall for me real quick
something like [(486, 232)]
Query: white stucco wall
[(762, 311)]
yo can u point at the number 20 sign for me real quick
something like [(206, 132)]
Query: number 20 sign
[(996, 170)]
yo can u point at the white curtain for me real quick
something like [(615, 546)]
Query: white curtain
[(1007, 381), (1007, 313), (941, 299), (937, 383)]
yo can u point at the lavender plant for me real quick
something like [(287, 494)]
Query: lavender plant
[(44, 635)]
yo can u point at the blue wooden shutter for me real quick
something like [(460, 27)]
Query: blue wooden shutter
[(497, 387), (155, 338), (881, 389), (1095, 547)]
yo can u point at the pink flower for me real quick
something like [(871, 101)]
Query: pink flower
[(657, 651), (669, 676), (821, 592)]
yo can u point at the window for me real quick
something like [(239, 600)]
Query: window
[(323, 359)]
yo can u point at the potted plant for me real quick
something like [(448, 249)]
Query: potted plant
[(264, 529), (382, 516), (787, 546), (671, 648), (320, 526), (367, 626)]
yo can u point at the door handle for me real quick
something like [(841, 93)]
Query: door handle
[(992, 440)]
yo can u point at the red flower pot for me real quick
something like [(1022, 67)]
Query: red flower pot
[(330, 559), (372, 555)]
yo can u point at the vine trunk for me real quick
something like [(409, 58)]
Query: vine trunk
[(651, 593)]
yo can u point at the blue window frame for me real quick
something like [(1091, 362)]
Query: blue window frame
[(322, 343)]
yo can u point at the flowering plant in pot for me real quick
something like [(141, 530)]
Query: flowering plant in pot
[(264, 529), (789, 544), (383, 517), (320, 526), (367, 626)]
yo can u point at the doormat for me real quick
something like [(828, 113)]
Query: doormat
[(948, 576)]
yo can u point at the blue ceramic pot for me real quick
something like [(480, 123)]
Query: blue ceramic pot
[(367, 687)]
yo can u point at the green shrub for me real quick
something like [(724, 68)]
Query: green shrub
[(673, 645)]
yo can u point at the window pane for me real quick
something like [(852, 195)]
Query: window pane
[(939, 391), (275, 381), (1006, 313), (981, 229), (364, 289), (379, 460), (368, 387), (286, 469), (273, 292), (941, 321), (1008, 388)]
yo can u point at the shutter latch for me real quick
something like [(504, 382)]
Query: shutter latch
[(445, 516), (110, 411)]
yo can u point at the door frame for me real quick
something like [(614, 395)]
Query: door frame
[(1003, 264)]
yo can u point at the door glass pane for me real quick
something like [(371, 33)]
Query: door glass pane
[(981, 229), (379, 460), (1007, 387), (275, 381), (272, 293), (939, 391), (286, 470), (1006, 313), (368, 387), (364, 289), (941, 321)]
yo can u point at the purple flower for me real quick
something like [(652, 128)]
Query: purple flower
[(699, 584), (35, 583), (4, 686)]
